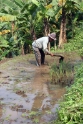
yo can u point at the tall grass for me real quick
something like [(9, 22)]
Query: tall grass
[(76, 43), (62, 74), (71, 109)]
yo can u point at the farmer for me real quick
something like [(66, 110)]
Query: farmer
[(40, 47)]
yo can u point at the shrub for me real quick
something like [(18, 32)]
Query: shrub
[(76, 43)]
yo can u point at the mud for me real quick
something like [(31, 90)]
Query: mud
[(26, 95)]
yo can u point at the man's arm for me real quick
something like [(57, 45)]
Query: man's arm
[(47, 51)]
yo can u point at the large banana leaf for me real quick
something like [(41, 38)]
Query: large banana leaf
[(7, 17), (35, 2), (50, 12), (3, 24), (3, 42), (4, 53), (13, 3), (19, 3)]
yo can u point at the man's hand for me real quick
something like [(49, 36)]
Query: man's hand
[(51, 54)]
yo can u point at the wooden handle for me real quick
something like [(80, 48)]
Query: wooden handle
[(60, 59), (58, 55)]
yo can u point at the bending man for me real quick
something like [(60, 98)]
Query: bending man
[(40, 47)]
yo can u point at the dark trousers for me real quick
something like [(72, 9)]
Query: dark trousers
[(42, 56), (39, 55)]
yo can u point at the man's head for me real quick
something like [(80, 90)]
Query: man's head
[(52, 36)]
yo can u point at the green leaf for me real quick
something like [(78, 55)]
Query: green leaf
[(50, 12), (18, 3), (3, 42), (54, 2), (35, 2)]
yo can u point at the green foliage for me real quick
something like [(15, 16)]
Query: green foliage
[(81, 52), (28, 17), (35, 2), (62, 74), (76, 43), (3, 47), (8, 48), (3, 42), (71, 109), (3, 53)]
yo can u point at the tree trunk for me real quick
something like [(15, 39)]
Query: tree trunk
[(62, 36), (33, 34), (46, 29), (54, 45), (22, 49), (46, 26), (32, 31), (13, 25)]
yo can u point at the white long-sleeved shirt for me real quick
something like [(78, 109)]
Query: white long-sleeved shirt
[(41, 43)]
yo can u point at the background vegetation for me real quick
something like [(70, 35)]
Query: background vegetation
[(22, 21)]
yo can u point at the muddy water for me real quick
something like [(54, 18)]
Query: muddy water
[(26, 95)]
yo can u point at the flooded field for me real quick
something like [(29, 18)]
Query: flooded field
[(26, 94)]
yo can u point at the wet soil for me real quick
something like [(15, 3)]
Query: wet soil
[(26, 95)]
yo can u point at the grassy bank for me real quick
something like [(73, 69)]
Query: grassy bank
[(71, 108)]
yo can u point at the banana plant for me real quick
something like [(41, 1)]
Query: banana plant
[(43, 14), (62, 9), (26, 23), (7, 16), (67, 7), (24, 13), (3, 47)]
